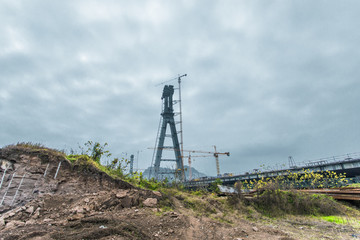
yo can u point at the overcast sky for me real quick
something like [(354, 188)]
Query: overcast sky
[(266, 79)]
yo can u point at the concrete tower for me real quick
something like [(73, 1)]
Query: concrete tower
[(168, 119)]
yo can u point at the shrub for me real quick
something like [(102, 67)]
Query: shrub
[(278, 202), (95, 150), (306, 179)]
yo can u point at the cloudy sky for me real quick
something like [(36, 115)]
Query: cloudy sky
[(266, 79)]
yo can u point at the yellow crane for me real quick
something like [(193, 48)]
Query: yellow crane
[(215, 154)]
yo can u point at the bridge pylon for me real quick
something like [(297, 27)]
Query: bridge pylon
[(167, 119)]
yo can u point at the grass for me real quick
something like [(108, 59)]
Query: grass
[(342, 220), (354, 185), (85, 160), (35, 147)]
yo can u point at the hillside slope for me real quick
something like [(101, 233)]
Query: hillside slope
[(82, 202)]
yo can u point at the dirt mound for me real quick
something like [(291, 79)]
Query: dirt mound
[(44, 196), (29, 173), (40, 186)]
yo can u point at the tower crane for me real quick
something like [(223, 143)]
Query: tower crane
[(214, 154)]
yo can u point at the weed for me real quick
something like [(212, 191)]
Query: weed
[(354, 185), (342, 220)]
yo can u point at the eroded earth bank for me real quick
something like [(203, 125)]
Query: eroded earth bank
[(45, 196)]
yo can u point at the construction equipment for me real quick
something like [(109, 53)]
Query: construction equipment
[(214, 154)]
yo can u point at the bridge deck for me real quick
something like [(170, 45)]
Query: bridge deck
[(349, 166)]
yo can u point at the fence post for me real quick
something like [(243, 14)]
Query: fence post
[(8, 187), (46, 169), (2, 179), (57, 170), (17, 190)]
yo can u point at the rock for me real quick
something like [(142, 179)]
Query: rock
[(76, 217), (2, 222), (47, 220), (54, 215), (79, 209), (62, 222), (126, 202), (86, 208), (157, 193), (14, 223), (121, 194), (150, 202), (11, 214), (37, 213), (255, 229), (173, 214), (30, 222), (30, 210), (244, 233)]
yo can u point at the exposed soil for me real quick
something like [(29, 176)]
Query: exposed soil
[(84, 203)]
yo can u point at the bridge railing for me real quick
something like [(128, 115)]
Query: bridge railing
[(312, 164), (305, 164)]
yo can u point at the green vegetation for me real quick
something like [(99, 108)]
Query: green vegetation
[(305, 179), (353, 221), (214, 186), (277, 196), (31, 145), (35, 147), (274, 197), (277, 202), (92, 153), (354, 185), (95, 150)]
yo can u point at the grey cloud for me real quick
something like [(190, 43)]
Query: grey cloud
[(265, 79)]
